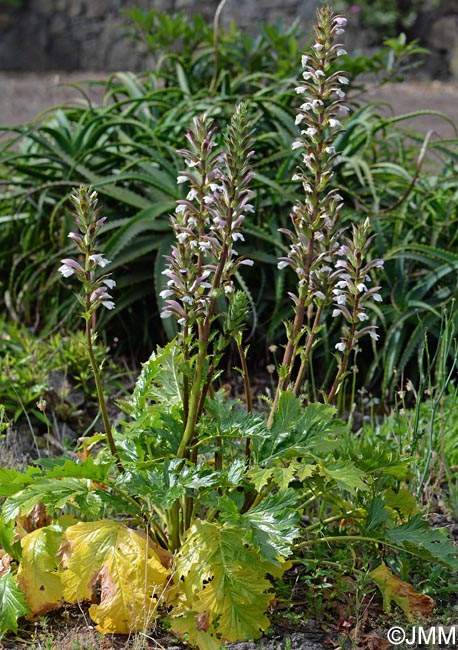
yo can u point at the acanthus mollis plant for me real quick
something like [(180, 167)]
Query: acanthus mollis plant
[(194, 507), (315, 236)]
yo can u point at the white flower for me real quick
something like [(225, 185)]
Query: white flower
[(377, 297), (109, 283), (300, 90), (236, 236), (340, 21), (341, 346), (361, 287), (204, 245), (363, 316), (320, 73), (320, 295), (304, 60), (182, 237), (336, 312), (182, 179), (282, 264), (228, 288), (99, 260), (192, 194), (108, 304), (311, 131), (247, 262), (296, 144), (333, 123), (166, 293), (181, 321), (296, 177), (299, 118), (341, 52), (340, 93), (341, 299), (343, 80), (330, 150), (66, 270), (317, 47), (306, 76), (374, 336), (191, 163), (180, 208), (187, 300)]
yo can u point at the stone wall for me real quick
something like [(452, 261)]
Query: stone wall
[(90, 35)]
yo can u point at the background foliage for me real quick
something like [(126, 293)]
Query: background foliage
[(125, 147)]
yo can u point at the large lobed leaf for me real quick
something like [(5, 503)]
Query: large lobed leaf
[(298, 432), (39, 574), (126, 566), (223, 589)]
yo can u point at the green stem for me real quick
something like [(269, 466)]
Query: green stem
[(194, 399), (330, 520), (101, 397)]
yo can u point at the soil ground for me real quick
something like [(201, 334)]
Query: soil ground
[(24, 96)]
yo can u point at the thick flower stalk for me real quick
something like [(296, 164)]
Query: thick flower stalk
[(314, 234), (207, 225), (95, 288)]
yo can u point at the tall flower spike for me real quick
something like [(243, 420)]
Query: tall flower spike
[(314, 233), (208, 222), (352, 293)]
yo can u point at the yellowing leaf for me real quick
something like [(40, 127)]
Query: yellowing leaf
[(279, 475), (413, 604), (126, 566), (39, 574), (222, 588)]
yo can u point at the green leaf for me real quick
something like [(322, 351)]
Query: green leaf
[(402, 502), (160, 380), (433, 545), (298, 431), (64, 467), (12, 604), (54, 494), (7, 535), (223, 587), (377, 515), (280, 475), (273, 525), (346, 475), (12, 480)]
